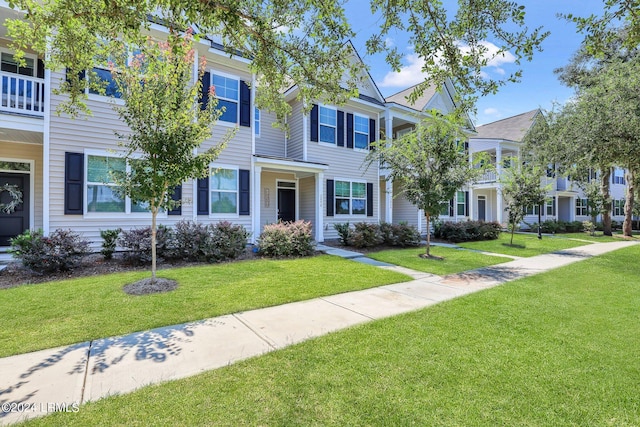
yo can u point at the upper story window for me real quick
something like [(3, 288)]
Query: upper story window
[(618, 176), (361, 132), (10, 65), (228, 95), (224, 191), (328, 125)]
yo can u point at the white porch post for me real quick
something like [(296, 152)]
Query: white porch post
[(499, 208), (305, 136), (572, 208), (319, 231), (388, 187), (257, 202), (420, 216), (471, 203)]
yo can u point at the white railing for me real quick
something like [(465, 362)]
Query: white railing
[(21, 94), (489, 176)]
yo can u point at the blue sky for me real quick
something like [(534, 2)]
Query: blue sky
[(539, 86)]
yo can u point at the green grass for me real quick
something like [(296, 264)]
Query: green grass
[(553, 349), (58, 313), (454, 261), (598, 238), (524, 245)]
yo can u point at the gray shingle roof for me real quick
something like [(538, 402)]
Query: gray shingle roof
[(420, 104), (511, 129)]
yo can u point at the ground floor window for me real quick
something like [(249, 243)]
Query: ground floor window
[(618, 208), (350, 198), (224, 191), (550, 207), (581, 207), (461, 201)]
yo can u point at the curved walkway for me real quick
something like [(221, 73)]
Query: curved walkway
[(64, 378)]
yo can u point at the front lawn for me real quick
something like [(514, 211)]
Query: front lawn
[(58, 313), (454, 260), (552, 349), (524, 245), (598, 238)]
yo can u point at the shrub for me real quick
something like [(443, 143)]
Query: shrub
[(574, 226), (344, 232), (193, 241), (61, 251), (467, 231), (285, 239), (588, 227), (387, 234), (365, 235), (109, 239), (228, 241), (189, 241), (137, 244), (404, 235)]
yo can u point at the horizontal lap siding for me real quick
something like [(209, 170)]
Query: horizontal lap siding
[(307, 199), (296, 134), (97, 132), (403, 210), (271, 141), (12, 150)]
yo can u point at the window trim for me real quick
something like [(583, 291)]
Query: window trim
[(212, 168), (618, 179), (127, 202), (335, 127), (26, 55), (582, 205), (618, 206), (459, 203), (213, 72), (257, 121), (350, 198)]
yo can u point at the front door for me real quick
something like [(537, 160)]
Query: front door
[(482, 208), (16, 222), (286, 204)]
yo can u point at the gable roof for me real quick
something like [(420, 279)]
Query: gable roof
[(421, 103), (512, 128)]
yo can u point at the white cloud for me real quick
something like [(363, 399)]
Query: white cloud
[(491, 112), (412, 74), (389, 42)]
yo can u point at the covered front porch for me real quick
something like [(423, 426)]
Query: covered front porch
[(288, 190)]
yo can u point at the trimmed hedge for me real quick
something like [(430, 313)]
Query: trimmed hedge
[(286, 239), (368, 235), (466, 231), (62, 250)]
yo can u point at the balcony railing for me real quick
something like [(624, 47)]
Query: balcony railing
[(21, 94), (489, 176)]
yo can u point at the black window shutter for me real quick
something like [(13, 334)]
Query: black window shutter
[(314, 123), (40, 70), (73, 183), (203, 196), (244, 194), (369, 199), (349, 130), (340, 129), (206, 85), (81, 75), (466, 203), (372, 132), (245, 104), (176, 196), (330, 192), (451, 207)]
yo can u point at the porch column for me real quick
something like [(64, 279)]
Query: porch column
[(257, 202), (319, 231), (471, 204), (499, 161), (420, 216), (499, 209), (388, 187), (572, 208)]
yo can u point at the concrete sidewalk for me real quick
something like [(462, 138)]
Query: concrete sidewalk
[(64, 378)]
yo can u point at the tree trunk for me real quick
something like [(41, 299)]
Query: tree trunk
[(427, 218), (606, 214), (513, 230), (627, 227), (154, 214)]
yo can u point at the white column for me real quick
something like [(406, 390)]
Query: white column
[(319, 231), (471, 203), (420, 216), (388, 193), (499, 161), (46, 146), (305, 135), (499, 208), (256, 202)]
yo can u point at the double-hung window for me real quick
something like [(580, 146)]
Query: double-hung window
[(9, 64), (618, 176), (328, 124), (532, 210), (461, 204), (361, 132), (101, 188), (618, 207), (256, 121), (551, 207), (224, 191), (228, 95), (350, 198), (581, 207)]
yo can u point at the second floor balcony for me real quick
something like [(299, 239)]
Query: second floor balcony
[(21, 94)]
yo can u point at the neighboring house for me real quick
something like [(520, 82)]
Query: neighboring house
[(316, 173), (502, 141)]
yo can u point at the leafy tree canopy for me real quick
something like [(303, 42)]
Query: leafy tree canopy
[(289, 42)]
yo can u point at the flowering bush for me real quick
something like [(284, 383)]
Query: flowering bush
[(286, 239), (60, 251)]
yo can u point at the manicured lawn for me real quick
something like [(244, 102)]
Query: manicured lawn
[(454, 261), (598, 238), (524, 245), (553, 349), (57, 313)]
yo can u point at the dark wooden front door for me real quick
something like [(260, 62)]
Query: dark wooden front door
[(482, 209), (286, 204), (16, 222)]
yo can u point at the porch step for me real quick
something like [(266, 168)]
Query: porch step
[(5, 259)]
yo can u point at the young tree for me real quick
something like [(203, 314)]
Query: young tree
[(522, 188), (430, 164), (166, 125), (592, 189), (290, 42)]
